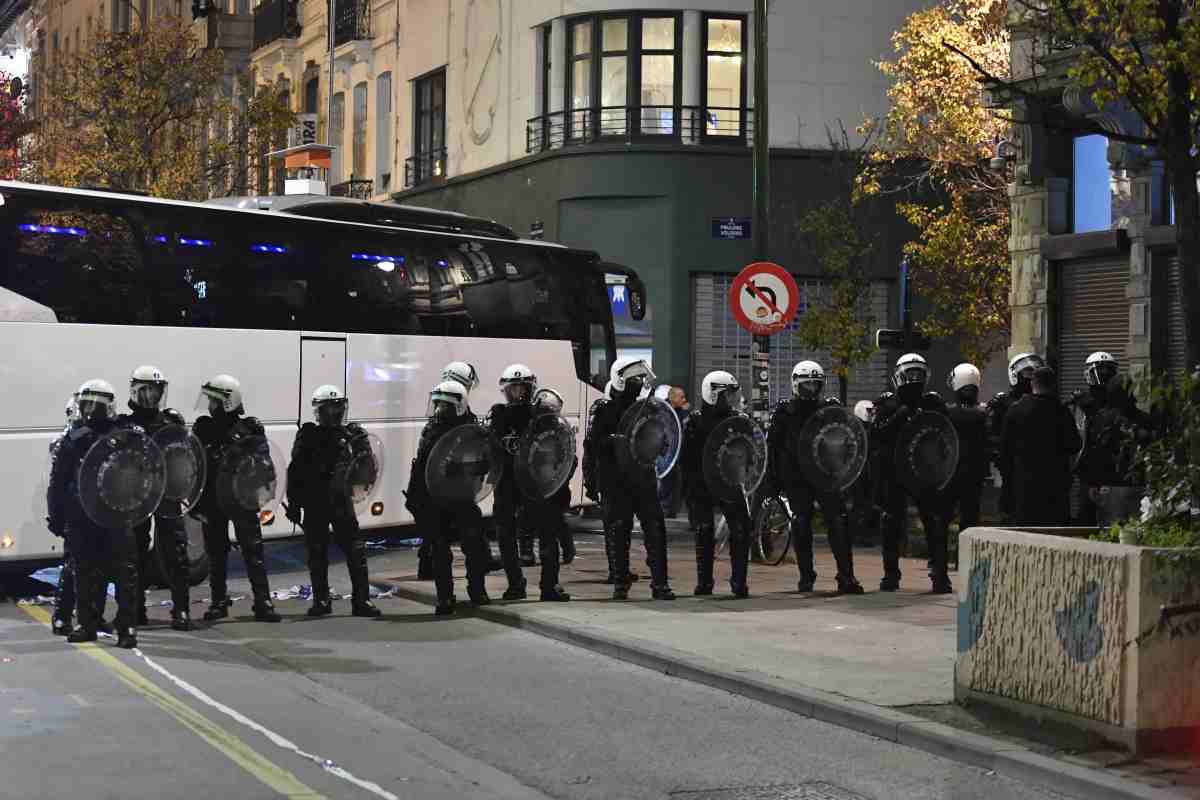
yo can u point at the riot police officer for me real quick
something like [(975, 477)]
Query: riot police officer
[(440, 524), (719, 396), (224, 427), (1020, 373), (98, 551), (317, 506), (507, 421), (624, 491), (546, 517), (1098, 370), (808, 382), (147, 409), (1113, 435), (893, 412), (591, 478), (970, 423)]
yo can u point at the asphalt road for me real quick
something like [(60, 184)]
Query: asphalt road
[(410, 706)]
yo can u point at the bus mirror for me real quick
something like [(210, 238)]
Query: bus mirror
[(636, 291)]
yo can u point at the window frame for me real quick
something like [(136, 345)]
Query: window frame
[(744, 108), (383, 132), (358, 130), (421, 147)]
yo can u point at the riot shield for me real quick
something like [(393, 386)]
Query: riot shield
[(358, 473), (463, 467), (652, 433), (1081, 424), (246, 480), (735, 458), (926, 453), (187, 469), (545, 456), (832, 449), (121, 479)]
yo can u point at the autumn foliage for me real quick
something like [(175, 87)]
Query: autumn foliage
[(14, 126)]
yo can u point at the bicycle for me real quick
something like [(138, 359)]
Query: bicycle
[(771, 534)]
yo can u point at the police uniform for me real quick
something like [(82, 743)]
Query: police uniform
[(507, 422), (971, 425), (1037, 448)]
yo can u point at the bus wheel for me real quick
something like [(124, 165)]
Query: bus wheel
[(197, 556)]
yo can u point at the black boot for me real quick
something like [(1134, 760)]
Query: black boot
[(365, 609), (525, 549), (127, 638), (321, 607), (891, 526), (217, 609), (264, 611), (843, 556), (181, 620), (739, 555), (656, 548), (360, 592), (61, 625), (444, 607), (86, 579), (81, 634), (424, 562), (566, 543), (936, 536), (517, 592), (555, 594), (802, 544), (705, 547), (64, 596)]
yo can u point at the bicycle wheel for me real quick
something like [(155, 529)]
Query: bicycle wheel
[(772, 524)]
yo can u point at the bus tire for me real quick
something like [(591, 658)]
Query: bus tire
[(197, 557)]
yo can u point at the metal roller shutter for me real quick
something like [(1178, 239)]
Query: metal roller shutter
[(1095, 316), (719, 343), (1176, 343)]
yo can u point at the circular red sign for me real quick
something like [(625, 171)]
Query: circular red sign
[(764, 298)]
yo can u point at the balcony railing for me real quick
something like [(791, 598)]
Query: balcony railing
[(356, 189), (353, 21), (424, 167), (707, 125), (276, 19)]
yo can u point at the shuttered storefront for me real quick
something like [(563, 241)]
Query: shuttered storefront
[(1176, 340), (1094, 315), (719, 343)]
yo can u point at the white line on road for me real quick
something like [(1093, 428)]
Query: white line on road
[(280, 741), (81, 700)]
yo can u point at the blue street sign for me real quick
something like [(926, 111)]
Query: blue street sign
[(731, 228)]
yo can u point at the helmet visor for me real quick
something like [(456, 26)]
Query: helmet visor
[(912, 373), (148, 394), (1025, 367), (517, 392), (807, 387), (332, 413), (1100, 374)]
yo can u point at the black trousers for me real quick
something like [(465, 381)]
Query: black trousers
[(101, 553), (738, 520), (803, 498), (621, 504), (546, 520), (440, 527), (318, 528), (506, 507), (931, 507), (249, 537), (64, 595), (962, 500), (171, 536)]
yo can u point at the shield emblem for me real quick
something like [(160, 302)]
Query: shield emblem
[(121, 479), (735, 458), (463, 467), (359, 473), (545, 456), (926, 453), (832, 449), (653, 437), (247, 481), (187, 469)]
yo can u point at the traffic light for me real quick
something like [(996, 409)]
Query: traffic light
[(908, 341)]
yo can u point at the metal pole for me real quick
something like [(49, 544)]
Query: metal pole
[(761, 347), (329, 111)]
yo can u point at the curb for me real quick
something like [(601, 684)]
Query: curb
[(936, 738)]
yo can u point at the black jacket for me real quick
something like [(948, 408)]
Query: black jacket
[(316, 454), (1114, 433), (591, 454), (1038, 444), (891, 415), (507, 423), (971, 425), (787, 419), (696, 428), (217, 434), (602, 440), (997, 409), (417, 498), (151, 420), (64, 509)]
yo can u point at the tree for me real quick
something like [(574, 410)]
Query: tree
[(15, 125), (840, 321), (933, 148), (153, 111)]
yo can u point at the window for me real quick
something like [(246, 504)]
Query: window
[(579, 79), (1091, 188), (383, 132), (614, 76), (337, 135), (724, 76), (311, 93), (658, 83), (547, 68), (359, 167), (429, 140)]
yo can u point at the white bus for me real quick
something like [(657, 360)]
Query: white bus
[(370, 297)]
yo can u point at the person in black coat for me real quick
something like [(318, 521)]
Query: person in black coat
[(1037, 447), (1113, 437), (442, 524), (1020, 374), (507, 422), (317, 505), (893, 412), (1099, 368), (224, 428), (970, 423), (98, 551)]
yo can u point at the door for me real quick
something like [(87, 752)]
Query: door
[(1094, 316), (322, 361)]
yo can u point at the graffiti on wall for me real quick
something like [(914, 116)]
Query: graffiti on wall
[(972, 610), (1078, 625)]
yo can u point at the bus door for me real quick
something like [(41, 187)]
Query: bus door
[(322, 361)]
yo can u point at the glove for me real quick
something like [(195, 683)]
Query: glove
[(294, 513)]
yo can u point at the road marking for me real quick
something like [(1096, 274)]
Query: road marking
[(81, 700), (274, 776)]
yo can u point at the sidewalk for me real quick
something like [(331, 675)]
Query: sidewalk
[(881, 663)]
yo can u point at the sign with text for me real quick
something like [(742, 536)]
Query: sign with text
[(764, 298), (731, 228), (305, 131)]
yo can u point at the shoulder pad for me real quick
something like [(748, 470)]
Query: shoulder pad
[(252, 425), (831, 401), (173, 417), (355, 429)]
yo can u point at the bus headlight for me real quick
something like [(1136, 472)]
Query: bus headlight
[(6, 542)]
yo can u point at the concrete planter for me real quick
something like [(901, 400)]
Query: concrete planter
[(1102, 637)]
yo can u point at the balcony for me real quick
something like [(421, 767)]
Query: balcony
[(355, 189), (276, 19), (352, 21), (692, 125), (424, 168)]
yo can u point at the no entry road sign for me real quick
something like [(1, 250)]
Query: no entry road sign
[(764, 298)]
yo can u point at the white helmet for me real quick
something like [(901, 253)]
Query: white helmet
[(810, 375), (1021, 362), (1100, 367), (97, 394), (910, 368), (462, 372), (451, 392), (864, 410), (964, 375), (225, 389), (518, 375), (716, 384), (327, 397), (549, 401), (147, 387), (627, 368)]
